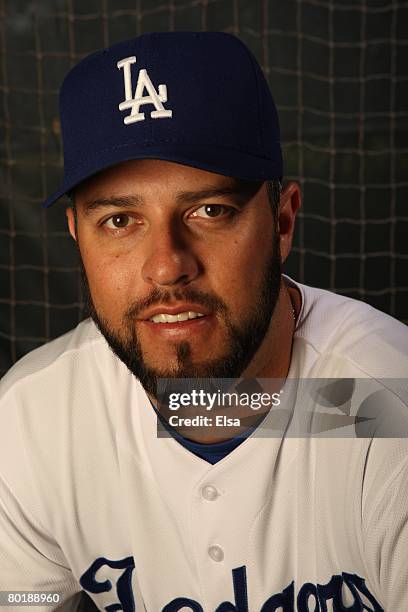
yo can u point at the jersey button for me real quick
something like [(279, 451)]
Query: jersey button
[(209, 493), (216, 553)]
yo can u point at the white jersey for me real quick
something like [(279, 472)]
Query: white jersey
[(92, 499)]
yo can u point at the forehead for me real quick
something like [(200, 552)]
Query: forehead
[(142, 175)]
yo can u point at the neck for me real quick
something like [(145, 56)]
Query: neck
[(273, 358)]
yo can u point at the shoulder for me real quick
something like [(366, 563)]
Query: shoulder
[(351, 331), (50, 387), (59, 424), (59, 384), (53, 359)]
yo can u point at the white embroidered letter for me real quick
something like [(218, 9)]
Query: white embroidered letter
[(152, 97), (125, 64)]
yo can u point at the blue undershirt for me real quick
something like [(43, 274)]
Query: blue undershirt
[(209, 452)]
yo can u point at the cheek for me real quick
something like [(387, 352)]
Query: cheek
[(236, 268), (112, 283)]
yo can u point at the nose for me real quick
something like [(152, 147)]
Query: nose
[(169, 258)]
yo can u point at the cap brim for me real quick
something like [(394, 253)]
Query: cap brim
[(224, 161)]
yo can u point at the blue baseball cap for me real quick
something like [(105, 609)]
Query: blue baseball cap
[(195, 98)]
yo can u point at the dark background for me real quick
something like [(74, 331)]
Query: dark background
[(339, 75)]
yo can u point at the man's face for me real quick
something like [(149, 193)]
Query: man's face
[(182, 265)]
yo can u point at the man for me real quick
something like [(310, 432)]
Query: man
[(173, 164)]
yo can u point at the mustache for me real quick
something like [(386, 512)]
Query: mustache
[(158, 296)]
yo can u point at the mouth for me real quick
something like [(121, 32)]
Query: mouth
[(186, 315), (177, 313), (180, 320)]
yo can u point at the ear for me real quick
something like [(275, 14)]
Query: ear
[(290, 203), (71, 221)]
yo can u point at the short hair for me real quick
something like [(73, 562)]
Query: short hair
[(274, 190)]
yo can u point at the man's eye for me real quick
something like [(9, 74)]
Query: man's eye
[(209, 211), (119, 221)]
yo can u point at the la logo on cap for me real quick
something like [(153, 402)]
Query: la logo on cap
[(134, 103)]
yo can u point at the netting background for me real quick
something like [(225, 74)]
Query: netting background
[(339, 74)]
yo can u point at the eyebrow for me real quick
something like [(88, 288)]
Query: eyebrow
[(184, 197), (115, 201), (190, 197)]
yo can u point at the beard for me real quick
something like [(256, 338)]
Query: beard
[(243, 338)]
